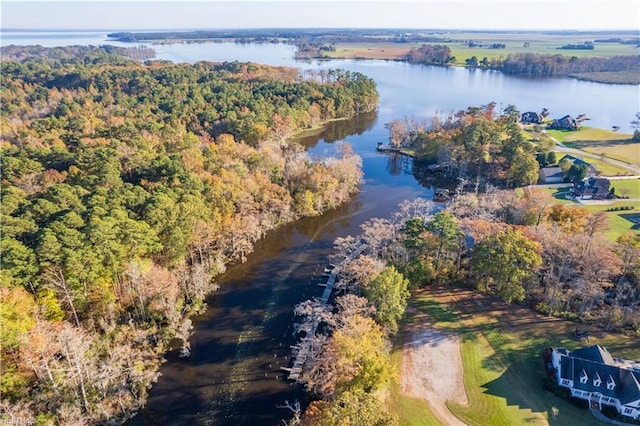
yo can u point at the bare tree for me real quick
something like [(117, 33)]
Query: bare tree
[(295, 409)]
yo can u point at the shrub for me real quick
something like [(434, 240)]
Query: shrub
[(609, 411), (580, 403)]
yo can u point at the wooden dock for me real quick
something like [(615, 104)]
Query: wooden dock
[(304, 348)]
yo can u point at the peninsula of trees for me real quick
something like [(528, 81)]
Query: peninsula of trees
[(476, 145), (125, 188)]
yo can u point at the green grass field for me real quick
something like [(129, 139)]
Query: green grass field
[(501, 347), (586, 133), (626, 151), (606, 169)]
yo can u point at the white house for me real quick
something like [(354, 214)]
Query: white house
[(592, 374)]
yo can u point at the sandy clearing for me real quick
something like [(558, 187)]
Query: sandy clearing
[(432, 369)]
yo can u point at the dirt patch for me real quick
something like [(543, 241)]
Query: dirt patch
[(432, 369)]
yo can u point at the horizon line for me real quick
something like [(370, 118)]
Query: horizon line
[(511, 30)]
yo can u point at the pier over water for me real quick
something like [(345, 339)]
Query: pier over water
[(302, 350)]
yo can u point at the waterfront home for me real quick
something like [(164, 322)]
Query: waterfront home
[(593, 374)]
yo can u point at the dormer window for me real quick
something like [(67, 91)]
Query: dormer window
[(597, 380), (611, 384), (583, 377)]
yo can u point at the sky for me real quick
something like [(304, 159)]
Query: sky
[(416, 14)]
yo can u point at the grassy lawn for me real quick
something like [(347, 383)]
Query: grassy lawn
[(501, 349), (626, 151), (619, 221), (559, 194), (606, 169), (607, 143), (627, 187), (586, 133)]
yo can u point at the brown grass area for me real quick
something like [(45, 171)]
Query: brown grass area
[(425, 352), (370, 51)]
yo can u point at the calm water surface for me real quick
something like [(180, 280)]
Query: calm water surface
[(233, 376)]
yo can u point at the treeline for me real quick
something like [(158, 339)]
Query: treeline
[(537, 65), (86, 54), (475, 146), (430, 54), (350, 364), (528, 249), (587, 45), (531, 64), (521, 248), (125, 189)]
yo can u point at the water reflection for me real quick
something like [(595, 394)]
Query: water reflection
[(233, 376), (340, 129)]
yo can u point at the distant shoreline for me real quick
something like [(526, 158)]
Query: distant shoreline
[(469, 49)]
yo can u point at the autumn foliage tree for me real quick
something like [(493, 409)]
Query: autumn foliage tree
[(126, 188), (504, 262)]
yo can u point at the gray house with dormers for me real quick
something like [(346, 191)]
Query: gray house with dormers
[(592, 374)]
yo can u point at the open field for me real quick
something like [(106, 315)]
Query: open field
[(627, 187), (373, 50), (541, 43), (605, 169), (501, 345), (609, 144), (623, 150)]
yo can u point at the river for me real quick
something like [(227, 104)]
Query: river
[(233, 376)]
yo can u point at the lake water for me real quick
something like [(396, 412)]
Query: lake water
[(406, 90), (233, 376)]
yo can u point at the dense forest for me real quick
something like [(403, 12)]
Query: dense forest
[(125, 188), (520, 248)]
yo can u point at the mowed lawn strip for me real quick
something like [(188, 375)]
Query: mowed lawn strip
[(501, 346)]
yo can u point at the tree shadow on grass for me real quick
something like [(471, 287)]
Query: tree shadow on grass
[(581, 144), (518, 387), (521, 386), (633, 218)]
